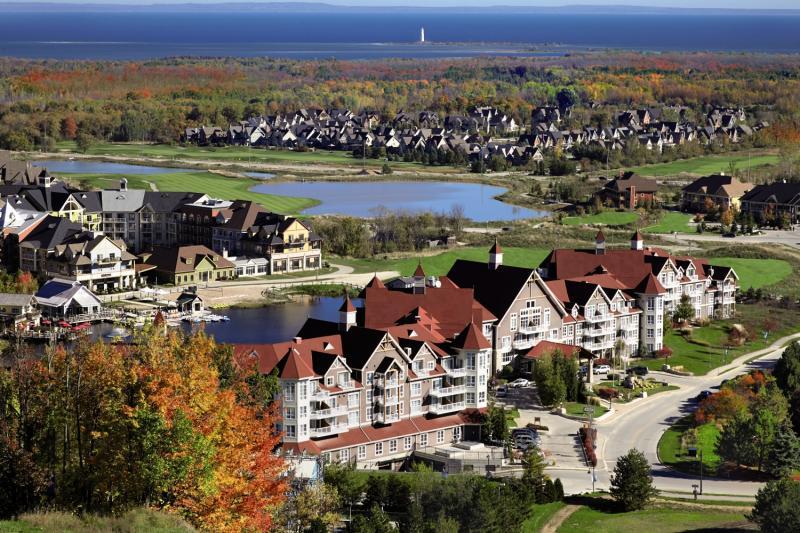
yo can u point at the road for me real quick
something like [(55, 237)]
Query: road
[(785, 237), (640, 425)]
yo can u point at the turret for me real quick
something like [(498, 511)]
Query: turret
[(600, 243), (495, 256), (347, 314), (637, 241)]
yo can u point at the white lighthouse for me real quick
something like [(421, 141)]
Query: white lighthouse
[(422, 34)]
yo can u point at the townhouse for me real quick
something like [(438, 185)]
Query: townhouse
[(719, 189), (372, 396), (628, 191), (181, 265), (769, 203)]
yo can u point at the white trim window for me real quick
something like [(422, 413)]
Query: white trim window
[(513, 322), (344, 455), (393, 446), (408, 442), (423, 439), (440, 436), (362, 452), (378, 449)]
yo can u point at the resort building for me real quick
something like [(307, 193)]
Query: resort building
[(186, 265), (721, 190)]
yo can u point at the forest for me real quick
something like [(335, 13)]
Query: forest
[(42, 102)]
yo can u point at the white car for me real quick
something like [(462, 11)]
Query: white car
[(518, 383), (602, 369)]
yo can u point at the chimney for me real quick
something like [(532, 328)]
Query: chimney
[(632, 192), (495, 256), (225, 253), (600, 243), (123, 184), (637, 241), (298, 340)]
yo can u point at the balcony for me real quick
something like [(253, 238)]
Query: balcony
[(504, 348), (531, 329), (387, 418), (448, 391), (459, 371), (388, 400), (598, 332), (328, 413), (386, 384), (523, 344), (320, 395), (328, 430), (444, 408)]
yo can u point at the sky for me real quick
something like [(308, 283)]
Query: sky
[(734, 4)]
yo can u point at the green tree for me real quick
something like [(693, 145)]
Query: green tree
[(735, 443), (317, 504), (386, 169), (495, 424), (84, 142), (632, 484), (787, 370), (776, 509), (784, 454), (685, 310)]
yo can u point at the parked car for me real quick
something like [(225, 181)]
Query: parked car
[(526, 434), (525, 441), (602, 369), (729, 235), (518, 383), (703, 395), (639, 370), (502, 391)]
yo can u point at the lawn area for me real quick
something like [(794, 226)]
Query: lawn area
[(626, 395), (756, 273), (671, 222), (206, 182), (706, 165), (665, 519), (225, 153), (606, 218), (438, 265), (133, 521), (704, 350), (673, 447), (541, 513), (576, 409), (511, 417)]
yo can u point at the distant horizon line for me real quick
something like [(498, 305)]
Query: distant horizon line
[(321, 6)]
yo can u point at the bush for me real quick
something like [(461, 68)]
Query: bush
[(588, 438), (608, 393)]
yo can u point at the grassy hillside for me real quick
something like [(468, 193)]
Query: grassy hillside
[(135, 521), (707, 165)]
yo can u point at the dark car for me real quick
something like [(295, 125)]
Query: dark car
[(729, 235), (703, 395), (639, 370)]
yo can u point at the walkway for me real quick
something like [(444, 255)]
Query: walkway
[(559, 518)]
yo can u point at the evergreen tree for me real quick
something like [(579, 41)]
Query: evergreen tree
[(787, 370), (684, 311), (776, 509), (784, 454), (559, 489), (632, 484)]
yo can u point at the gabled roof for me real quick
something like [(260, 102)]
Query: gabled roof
[(650, 285), (181, 259), (548, 347), (495, 249), (293, 366)]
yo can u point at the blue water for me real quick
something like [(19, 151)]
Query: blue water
[(99, 167), (364, 198), (366, 35)]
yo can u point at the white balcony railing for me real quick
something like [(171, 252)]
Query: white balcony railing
[(444, 408), (387, 418), (328, 413), (449, 391), (531, 329), (522, 344), (320, 395), (598, 332), (459, 371), (388, 400), (328, 430)]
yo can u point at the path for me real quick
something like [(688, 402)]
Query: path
[(641, 424), (559, 518)]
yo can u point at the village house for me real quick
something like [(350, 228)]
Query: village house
[(17, 308), (186, 265), (60, 298), (721, 190), (98, 262), (768, 203), (628, 191)]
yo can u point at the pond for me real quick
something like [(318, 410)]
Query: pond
[(101, 167), (363, 198), (262, 325)]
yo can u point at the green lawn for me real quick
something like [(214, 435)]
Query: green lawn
[(756, 272), (607, 218), (671, 222), (673, 451), (576, 409), (706, 165), (438, 265), (541, 513), (665, 520), (226, 153), (206, 182), (704, 349)]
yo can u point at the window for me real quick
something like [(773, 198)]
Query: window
[(408, 442), (423, 439), (290, 431), (440, 436), (303, 411), (416, 389), (370, 375), (487, 330), (649, 333), (513, 322), (505, 341), (378, 448), (553, 334), (369, 397), (470, 381), (471, 398), (288, 413), (329, 381), (301, 391), (352, 419), (481, 397), (416, 406), (393, 446), (288, 392), (303, 430), (431, 365), (401, 391), (344, 455), (362, 452), (565, 331), (352, 399)]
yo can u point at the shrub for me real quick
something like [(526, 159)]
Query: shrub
[(588, 437), (608, 393)]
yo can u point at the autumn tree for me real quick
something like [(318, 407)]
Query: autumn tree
[(69, 128)]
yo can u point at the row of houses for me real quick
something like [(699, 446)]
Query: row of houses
[(111, 239), (408, 368), (472, 135)]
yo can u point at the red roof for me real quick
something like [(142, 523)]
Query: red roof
[(496, 248), (650, 285), (419, 272), (296, 367), (376, 283), (471, 338), (548, 347), (637, 236), (347, 305), (600, 237)]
